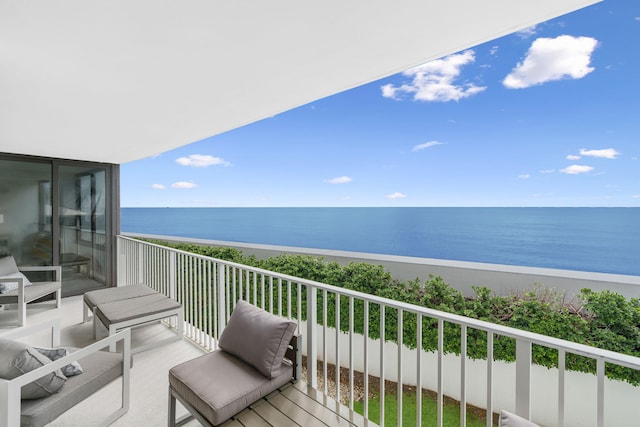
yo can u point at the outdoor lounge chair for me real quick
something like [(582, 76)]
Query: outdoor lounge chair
[(15, 288), (258, 353), (33, 389)]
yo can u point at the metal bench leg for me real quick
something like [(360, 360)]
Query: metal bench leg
[(112, 331), (192, 413), (180, 325), (172, 410), (22, 313), (95, 326), (59, 298), (85, 313)]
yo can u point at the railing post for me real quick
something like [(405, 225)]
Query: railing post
[(119, 258), (523, 378), (489, 379), (312, 345), (221, 300), (123, 262), (172, 275), (140, 264), (600, 373)]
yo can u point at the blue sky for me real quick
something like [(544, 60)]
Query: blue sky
[(549, 116)]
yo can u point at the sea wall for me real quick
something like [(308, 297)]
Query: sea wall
[(462, 275)]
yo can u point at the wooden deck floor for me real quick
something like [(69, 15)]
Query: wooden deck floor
[(293, 405)]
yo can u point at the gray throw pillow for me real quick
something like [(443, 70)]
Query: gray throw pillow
[(17, 358), (69, 370), (257, 337), (507, 419), (6, 287), (8, 266)]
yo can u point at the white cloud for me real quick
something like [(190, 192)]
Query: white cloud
[(339, 180), (201, 161), (573, 157), (426, 145), (524, 176), (183, 184), (389, 91), (435, 80), (157, 186), (493, 50), (576, 169), (553, 59), (636, 196), (547, 171), (607, 153), (395, 195)]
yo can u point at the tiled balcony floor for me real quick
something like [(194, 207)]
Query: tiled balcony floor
[(293, 406)]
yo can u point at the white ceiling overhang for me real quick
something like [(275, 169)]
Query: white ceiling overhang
[(114, 81)]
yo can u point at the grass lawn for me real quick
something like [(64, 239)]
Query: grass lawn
[(451, 412)]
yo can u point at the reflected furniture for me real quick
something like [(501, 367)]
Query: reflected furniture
[(16, 288)]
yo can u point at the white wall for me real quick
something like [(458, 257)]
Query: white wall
[(621, 399)]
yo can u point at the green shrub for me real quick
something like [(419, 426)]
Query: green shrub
[(601, 319)]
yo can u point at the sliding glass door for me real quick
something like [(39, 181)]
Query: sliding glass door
[(25, 212), (55, 212), (82, 218)]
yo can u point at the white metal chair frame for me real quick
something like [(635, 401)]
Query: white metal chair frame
[(22, 300), (10, 389)]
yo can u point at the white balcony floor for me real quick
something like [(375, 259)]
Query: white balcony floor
[(149, 380)]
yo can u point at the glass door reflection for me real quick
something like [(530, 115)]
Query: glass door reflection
[(82, 237)]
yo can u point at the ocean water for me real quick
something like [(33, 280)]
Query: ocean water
[(585, 239)]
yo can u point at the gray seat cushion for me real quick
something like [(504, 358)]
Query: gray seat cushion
[(8, 286), (219, 385), (8, 266), (257, 337), (99, 368), (35, 291), (9, 269), (102, 296), (123, 310)]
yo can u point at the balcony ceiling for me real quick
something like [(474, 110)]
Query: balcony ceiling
[(114, 81)]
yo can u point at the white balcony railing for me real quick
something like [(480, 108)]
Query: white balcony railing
[(209, 289)]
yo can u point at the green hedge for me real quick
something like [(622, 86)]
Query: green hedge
[(602, 319)]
